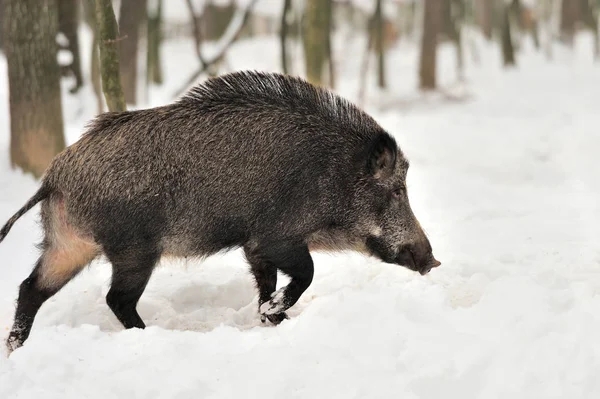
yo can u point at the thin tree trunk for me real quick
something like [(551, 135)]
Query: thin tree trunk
[(1, 24), (36, 123), (283, 33), (486, 16), (153, 62), (453, 17), (95, 74), (131, 19), (328, 45), (89, 8), (364, 66), (315, 44), (508, 52), (68, 22), (535, 34), (109, 56), (589, 16), (569, 16), (431, 27), (379, 45), (546, 19)]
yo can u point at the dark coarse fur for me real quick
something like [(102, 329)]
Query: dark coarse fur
[(230, 160), (262, 161)]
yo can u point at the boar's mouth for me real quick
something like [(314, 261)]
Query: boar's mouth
[(406, 257)]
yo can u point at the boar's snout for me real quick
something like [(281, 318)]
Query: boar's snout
[(418, 257)]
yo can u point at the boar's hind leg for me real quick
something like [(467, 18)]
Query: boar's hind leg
[(265, 275), (65, 254), (131, 272), (296, 262)]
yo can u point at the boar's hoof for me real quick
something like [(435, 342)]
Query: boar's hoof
[(276, 304), (275, 319), (12, 343)]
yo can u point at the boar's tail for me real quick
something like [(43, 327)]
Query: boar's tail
[(41, 194)]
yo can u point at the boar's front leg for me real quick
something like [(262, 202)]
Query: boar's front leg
[(293, 260), (265, 276)]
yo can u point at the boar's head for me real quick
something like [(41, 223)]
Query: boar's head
[(395, 235)]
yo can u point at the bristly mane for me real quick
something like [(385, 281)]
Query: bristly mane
[(277, 90)]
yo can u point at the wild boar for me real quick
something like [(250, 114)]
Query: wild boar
[(262, 161)]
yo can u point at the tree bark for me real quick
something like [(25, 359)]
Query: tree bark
[(283, 33), (589, 17), (109, 56), (431, 27), (486, 17), (68, 22), (315, 39), (1, 24), (89, 11), (154, 68), (216, 18), (329, 46), (379, 45), (569, 16), (131, 19), (453, 15), (508, 52), (36, 123)]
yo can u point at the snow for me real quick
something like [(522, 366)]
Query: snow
[(504, 179)]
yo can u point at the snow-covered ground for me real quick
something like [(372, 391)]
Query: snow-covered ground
[(504, 178)]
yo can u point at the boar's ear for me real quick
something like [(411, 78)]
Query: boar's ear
[(382, 156)]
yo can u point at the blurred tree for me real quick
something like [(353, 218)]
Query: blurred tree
[(508, 51), (89, 8), (1, 23), (589, 17), (328, 46), (231, 34), (68, 22), (216, 18), (379, 44), (131, 19), (545, 14), (453, 16), (431, 27), (36, 123), (153, 63), (569, 16), (485, 17), (316, 36), (283, 33), (106, 24)]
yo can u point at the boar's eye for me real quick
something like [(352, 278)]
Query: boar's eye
[(397, 193)]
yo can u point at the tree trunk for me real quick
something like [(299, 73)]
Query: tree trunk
[(36, 124), (1, 24), (485, 12), (109, 56), (315, 42), (453, 15), (508, 52), (589, 17), (89, 11), (569, 16), (68, 22), (328, 45), (216, 19), (153, 63), (131, 18), (431, 27), (283, 33), (379, 45)]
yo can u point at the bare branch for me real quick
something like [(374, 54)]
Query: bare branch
[(229, 37), (197, 31)]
